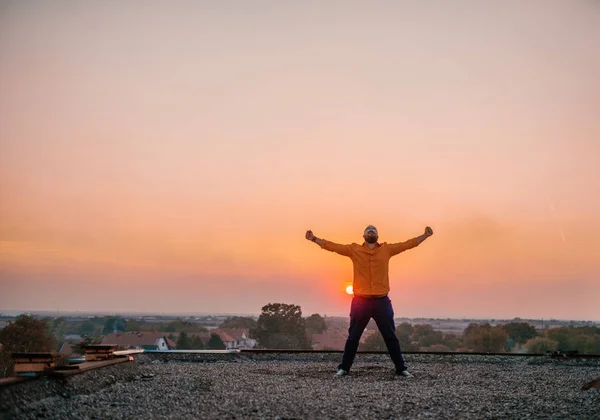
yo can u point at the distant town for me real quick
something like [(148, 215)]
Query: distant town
[(67, 333), (213, 321)]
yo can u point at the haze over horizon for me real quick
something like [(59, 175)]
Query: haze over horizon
[(256, 314), (161, 157)]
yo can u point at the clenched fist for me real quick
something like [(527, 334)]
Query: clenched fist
[(428, 231), (309, 235)]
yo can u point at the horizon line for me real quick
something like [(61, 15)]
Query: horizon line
[(4, 312)]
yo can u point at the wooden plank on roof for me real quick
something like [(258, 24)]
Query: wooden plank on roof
[(127, 352), (31, 367), (85, 366), (12, 380)]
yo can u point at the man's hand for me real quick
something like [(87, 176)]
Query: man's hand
[(427, 234), (313, 238)]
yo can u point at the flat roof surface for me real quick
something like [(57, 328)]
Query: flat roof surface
[(304, 386)]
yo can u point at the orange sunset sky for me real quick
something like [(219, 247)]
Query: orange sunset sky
[(170, 156)]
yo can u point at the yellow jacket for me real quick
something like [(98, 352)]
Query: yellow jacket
[(371, 276)]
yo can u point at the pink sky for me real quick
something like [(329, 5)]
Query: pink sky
[(170, 157)]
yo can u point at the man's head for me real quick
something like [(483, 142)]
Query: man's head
[(371, 236)]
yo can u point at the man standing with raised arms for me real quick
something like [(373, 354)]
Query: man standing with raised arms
[(371, 286)]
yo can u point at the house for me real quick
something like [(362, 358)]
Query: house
[(66, 349), (147, 340), (73, 338), (235, 338)]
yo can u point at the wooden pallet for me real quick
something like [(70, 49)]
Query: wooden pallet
[(95, 352), (26, 364), (35, 362)]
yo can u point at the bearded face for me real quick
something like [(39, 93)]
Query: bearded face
[(370, 235), (371, 239)]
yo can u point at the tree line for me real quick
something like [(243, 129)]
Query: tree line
[(517, 337), (281, 326), (102, 325)]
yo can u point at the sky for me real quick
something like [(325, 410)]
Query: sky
[(169, 157)]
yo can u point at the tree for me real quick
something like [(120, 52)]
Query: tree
[(405, 332), (281, 326), (87, 327), (240, 322), (215, 342), (439, 348), (374, 342), (509, 345), (181, 325), (98, 322), (6, 363), (25, 334), (587, 344), (519, 332), (582, 339), (58, 329), (114, 324), (451, 341), (197, 343), (426, 336), (485, 338), (133, 325), (540, 345), (172, 326), (183, 342), (315, 324)]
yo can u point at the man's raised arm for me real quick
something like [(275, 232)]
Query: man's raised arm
[(411, 243), (328, 245)]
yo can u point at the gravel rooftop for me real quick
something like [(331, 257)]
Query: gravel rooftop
[(303, 386)]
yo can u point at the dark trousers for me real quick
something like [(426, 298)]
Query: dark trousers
[(361, 311)]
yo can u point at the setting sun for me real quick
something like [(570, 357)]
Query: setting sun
[(349, 290)]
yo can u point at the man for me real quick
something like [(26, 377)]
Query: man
[(371, 286)]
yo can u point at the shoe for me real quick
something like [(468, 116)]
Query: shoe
[(340, 373), (405, 373)]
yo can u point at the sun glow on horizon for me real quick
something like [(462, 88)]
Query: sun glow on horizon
[(349, 290)]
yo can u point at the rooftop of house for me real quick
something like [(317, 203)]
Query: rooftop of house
[(226, 335), (143, 338), (303, 385)]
